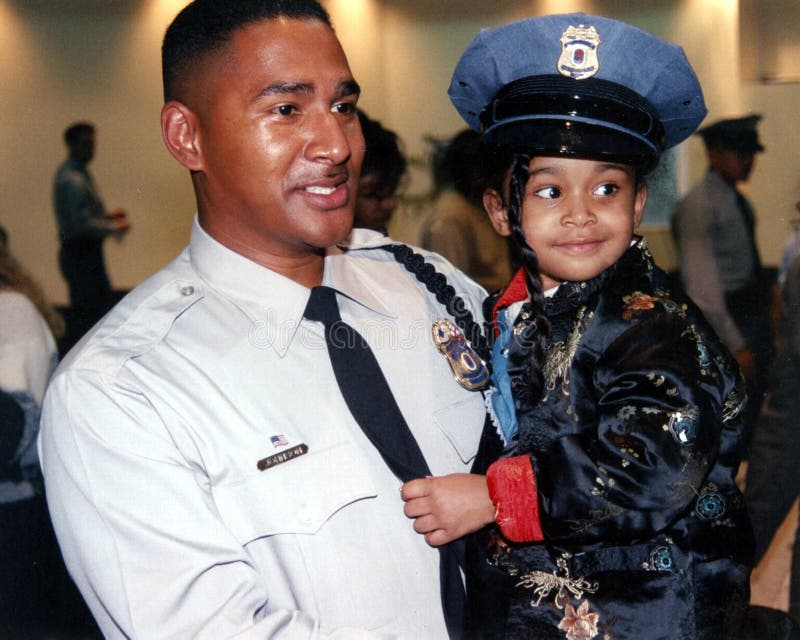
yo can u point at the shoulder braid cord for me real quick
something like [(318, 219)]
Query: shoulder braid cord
[(437, 284)]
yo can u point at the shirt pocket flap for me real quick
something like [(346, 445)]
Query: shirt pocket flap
[(462, 423), (296, 496)]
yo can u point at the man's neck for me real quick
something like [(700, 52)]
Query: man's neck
[(726, 179), (305, 268)]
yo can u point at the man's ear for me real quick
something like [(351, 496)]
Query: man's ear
[(638, 203), (181, 132), (497, 211)]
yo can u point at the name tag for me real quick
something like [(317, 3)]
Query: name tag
[(283, 456)]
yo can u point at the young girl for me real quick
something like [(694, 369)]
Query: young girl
[(613, 509)]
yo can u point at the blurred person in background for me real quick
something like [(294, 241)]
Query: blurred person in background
[(773, 483), (720, 267), (84, 223), (381, 174), (457, 226), (35, 591)]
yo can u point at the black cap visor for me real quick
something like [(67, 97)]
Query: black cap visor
[(592, 118), (573, 139)]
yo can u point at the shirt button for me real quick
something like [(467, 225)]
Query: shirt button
[(187, 291)]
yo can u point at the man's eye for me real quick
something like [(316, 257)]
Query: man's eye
[(345, 108), (606, 190), (548, 192), (285, 109)]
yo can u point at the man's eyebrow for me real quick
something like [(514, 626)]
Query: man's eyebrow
[(344, 89), (287, 88), (349, 88)]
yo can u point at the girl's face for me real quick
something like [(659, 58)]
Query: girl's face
[(577, 215)]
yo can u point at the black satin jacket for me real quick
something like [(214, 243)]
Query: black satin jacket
[(635, 447)]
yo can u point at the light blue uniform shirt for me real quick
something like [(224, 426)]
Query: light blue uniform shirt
[(153, 428)]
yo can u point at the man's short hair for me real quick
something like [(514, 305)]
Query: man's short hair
[(204, 26), (73, 133), (384, 156)]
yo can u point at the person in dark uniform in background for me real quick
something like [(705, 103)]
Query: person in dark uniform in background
[(381, 174), (84, 223), (714, 231)]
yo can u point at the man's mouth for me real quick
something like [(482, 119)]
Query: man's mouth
[(327, 193), (323, 191)]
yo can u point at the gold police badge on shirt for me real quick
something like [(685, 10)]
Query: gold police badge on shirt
[(467, 366), (578, 58)]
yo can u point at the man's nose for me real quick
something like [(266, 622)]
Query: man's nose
[(329, 141)]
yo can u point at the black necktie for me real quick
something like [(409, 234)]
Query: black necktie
[(370, 400), (750, 222)]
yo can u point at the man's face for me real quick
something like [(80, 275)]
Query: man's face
[(279, 140), (733, 166), (83, 149), (375, 204)]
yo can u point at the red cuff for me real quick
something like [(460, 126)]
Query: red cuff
[(512, 488)]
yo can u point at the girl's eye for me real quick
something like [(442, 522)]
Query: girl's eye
[(548, 192), (606, 190)]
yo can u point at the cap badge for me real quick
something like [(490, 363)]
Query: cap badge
[(467, 366), (578, 58)]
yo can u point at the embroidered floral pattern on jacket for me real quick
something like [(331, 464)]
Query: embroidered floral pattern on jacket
[(710, 503), (580, 624), (683, 425), (734, 403), (543, 585), (560, 354), (498, 554), (637, 302)]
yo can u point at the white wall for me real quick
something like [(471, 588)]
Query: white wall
[(96, 60), (99, 60)]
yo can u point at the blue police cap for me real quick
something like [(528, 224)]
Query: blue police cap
[(738, 134), (578, 85)]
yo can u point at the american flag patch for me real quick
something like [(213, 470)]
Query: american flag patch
[(279, 441)]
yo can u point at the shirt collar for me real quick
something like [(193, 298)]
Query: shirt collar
[(343, 272), (76, 165), (273, 301)]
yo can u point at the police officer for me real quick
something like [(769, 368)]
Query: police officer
[(714, 230), (207, 474)]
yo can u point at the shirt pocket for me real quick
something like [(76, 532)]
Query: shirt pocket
[(312, 527), (462, 423), (296, 496)]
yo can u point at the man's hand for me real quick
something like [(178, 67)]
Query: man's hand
[(445, 508), (120, 219), (746, 361)]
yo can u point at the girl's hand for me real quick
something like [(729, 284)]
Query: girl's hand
[(445, 508)]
